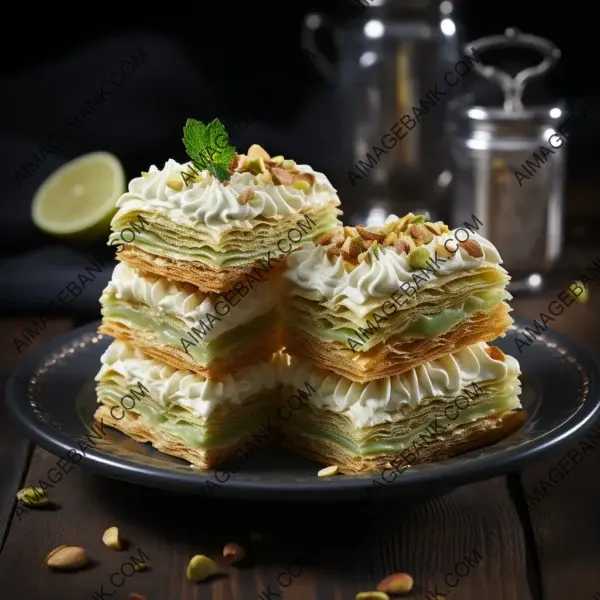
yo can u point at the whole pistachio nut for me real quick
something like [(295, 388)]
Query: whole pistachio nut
[(396, 584), (328, 471), (580, 287), (372, 596), (200, 568), (33, 496), (67, 558), (233, 552), (111, 538), (418, 258), (175, 182)]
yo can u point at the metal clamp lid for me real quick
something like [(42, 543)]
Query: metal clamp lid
[(513, 87)]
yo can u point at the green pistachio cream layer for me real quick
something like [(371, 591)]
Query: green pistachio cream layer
[(391, 414), (202, 412), (174, 315)]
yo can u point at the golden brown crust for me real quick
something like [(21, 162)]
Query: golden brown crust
[(177, 358), (202, 276), (465, 438), (386, 360), (136, 428)]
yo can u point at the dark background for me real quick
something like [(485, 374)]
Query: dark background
[(208, 60)]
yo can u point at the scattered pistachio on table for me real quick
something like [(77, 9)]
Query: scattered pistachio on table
[(233, 553), (33, 497), (201, 568), (111, 538), (372, 596), (585, 294), (398, 583), (67, 558), (328, 471)]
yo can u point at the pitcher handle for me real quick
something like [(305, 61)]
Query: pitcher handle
[(312, 23), (513, 87)]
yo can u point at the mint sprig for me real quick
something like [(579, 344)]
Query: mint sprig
[(208, 147)]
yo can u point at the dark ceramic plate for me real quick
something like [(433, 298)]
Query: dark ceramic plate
[(51, 395)]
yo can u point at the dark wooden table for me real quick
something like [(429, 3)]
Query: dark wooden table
[(482, 541)]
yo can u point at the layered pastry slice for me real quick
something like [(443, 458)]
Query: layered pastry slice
[(180, 412), (371, 303), (219, 231), (447, 406), (185, 328)]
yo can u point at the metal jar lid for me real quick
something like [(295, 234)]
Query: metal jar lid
[(512, 119)]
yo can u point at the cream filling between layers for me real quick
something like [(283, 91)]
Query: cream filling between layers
[(177, 300), (323, 278), (167, 385), (215, 205), (374, 403)]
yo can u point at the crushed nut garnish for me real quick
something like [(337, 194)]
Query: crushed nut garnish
[(333, 251), (418, 258), (338, 239), (281, 176), (233, 165), (301, 185), (256, 166), (390, 239), (308, 177), (367, 234), (443, 251), (473, 248), (351, 248), (402, 246), (434, 228), (417, 232), (245, 196), (324, 240), (256, 151), (495, 353)]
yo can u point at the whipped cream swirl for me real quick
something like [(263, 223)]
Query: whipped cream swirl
[(214, 204), (373, 403), (184, 301), (322, 277), (171, 386)]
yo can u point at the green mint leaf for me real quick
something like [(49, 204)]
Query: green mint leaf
[(208, 147), (221, 172)]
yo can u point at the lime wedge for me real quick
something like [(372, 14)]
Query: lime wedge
[(78, 200)]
